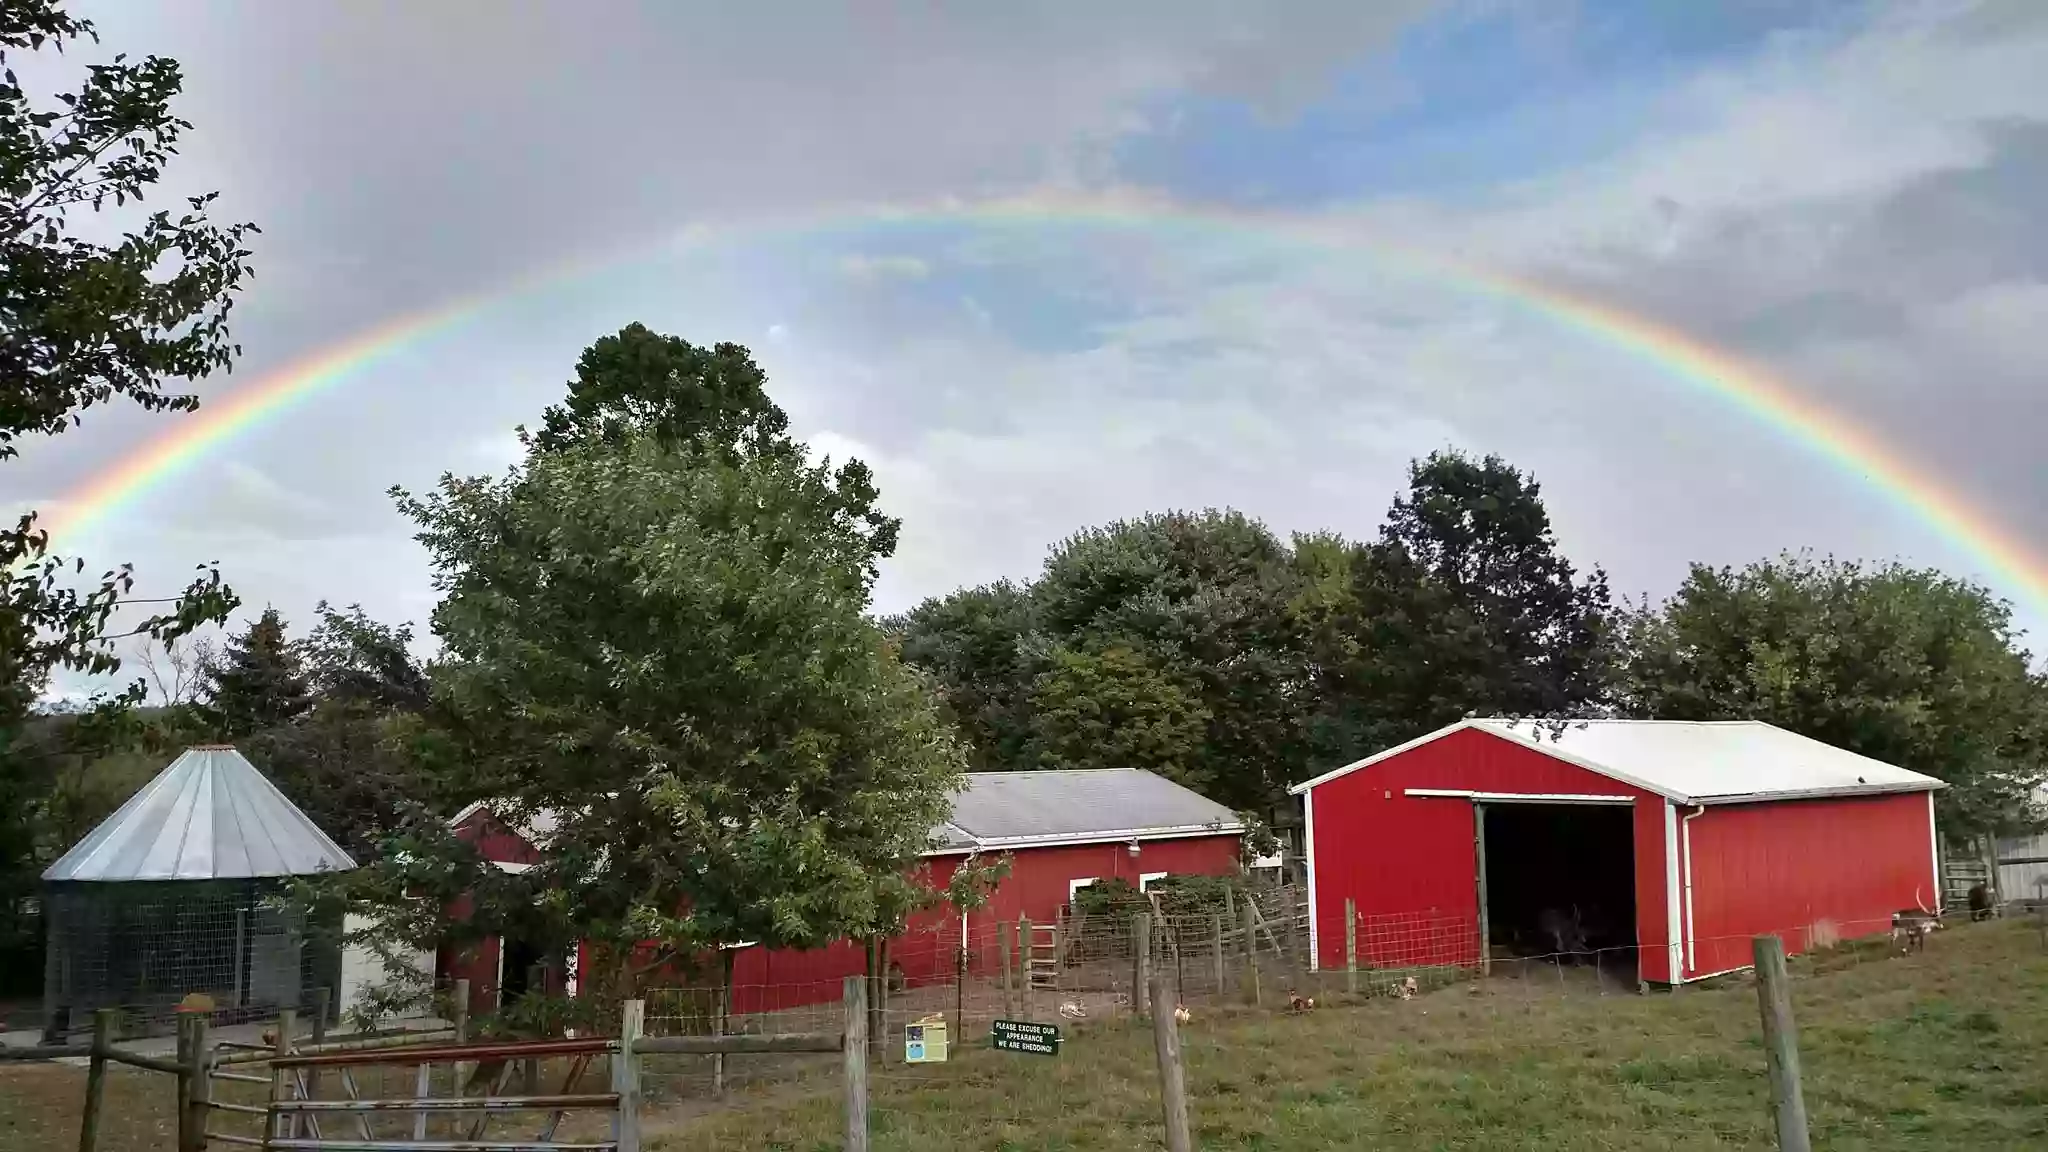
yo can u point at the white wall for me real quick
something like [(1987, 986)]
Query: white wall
[(362, 968)]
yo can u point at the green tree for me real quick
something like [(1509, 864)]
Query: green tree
[(1115, 709), (1206, 596), (658, 634), (258, 681), (1905, 665), (367, 741), (1464, 605), (89, 314), (983, 649)]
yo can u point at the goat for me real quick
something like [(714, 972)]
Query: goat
[(1981, 907), (1910, 926), (1566, 935)]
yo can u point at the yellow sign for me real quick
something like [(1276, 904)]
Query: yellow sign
[(924, 1041)]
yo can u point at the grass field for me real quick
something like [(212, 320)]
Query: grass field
[(1946, 1049)]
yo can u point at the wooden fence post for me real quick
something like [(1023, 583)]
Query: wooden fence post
[(1003, 954), (199, 1097), (1216, 951), (96, 1079), (626, 1077), (959, 998), (459, 1016), (1350, 945), (1024, 951), (184, 1106), (1251, 949), (1781, 1044), (1173, 1084), (856, 1071), (1141, 960), (282, 1126), (322, 1005)]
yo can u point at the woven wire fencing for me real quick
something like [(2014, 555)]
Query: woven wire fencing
[(224, 948)]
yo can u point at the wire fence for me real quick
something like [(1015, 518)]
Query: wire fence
[(227, 949), (1260, 1023)]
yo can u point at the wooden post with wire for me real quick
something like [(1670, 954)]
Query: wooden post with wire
[(626, 1077), (1216, 951), (855, 999), (1350, 946), (322, 1004), (1141, 961), (1173, 1083), (1781, 1045), (1009, 970), (960, 996), (282, 1125), (199, 1075), (103, 1021), (1251, 950)]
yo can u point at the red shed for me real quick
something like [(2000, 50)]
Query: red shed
[(1064, 830), (1672, 842)]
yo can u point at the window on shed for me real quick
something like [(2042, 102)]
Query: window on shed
[(1146, 878)]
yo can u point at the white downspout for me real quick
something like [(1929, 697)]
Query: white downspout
[(1692, 962)]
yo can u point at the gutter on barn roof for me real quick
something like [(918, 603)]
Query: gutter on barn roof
[(1107, 836)]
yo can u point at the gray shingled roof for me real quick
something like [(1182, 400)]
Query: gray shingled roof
[(209, 816), (996, 809)]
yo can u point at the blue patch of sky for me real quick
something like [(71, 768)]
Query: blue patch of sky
[(1044, 286), (1474, 97)]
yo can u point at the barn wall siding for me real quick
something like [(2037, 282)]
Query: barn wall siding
[(766, 980), (1036, 887), (1786, 866), (1409, 862)]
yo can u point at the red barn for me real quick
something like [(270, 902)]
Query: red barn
[(1064, 830), (1671, 842)]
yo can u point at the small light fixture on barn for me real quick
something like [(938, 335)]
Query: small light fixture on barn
[(1132, 847)]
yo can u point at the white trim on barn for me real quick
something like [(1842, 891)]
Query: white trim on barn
[(1831, 778), (1692, 955), (1074, 886), (1934, 851), (1145, 879), (1674, 955), (1308, 851), (1520, 797)]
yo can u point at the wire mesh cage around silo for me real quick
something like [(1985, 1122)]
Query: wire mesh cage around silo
[(230, 948)]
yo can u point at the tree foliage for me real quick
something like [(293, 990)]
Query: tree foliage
[(1116, 709), (87, 314), (87, 320), (1206, 647), (257, 681), (1905, 665), (654, 631)]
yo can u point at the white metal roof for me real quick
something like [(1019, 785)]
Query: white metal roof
[(1001, 810), (1689, 761), (210, 815), (998, 811)]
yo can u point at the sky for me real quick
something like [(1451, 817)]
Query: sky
[(1046, 266)]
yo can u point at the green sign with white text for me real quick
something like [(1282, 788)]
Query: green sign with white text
[(1024, 1036)]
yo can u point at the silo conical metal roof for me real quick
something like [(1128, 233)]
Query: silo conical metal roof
[(209, 816)]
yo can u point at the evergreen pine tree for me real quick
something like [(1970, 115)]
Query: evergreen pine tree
[(259, 681)]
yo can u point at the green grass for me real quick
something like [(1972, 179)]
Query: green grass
[(1946, 1049)]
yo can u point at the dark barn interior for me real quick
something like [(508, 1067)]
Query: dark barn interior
[(1560, 878)]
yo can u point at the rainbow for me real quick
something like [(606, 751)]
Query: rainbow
[(1752, 389)]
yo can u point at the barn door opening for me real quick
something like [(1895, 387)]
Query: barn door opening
[(1559, 881)]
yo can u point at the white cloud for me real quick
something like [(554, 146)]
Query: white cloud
[(869, 269)]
